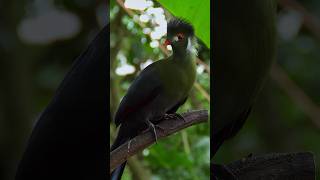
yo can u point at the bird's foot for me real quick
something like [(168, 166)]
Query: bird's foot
[(129, 145), (153, 128), (151, 125), (221, 172), (247, 157), (174, 116)]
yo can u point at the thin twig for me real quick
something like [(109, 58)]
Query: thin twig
[(203, 91), (142, 141), (297, 94), (310, 21)]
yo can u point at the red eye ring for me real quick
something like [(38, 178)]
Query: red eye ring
[(167, 42)]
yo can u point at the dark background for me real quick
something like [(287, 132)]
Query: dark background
[(286, 117), (38, 42)]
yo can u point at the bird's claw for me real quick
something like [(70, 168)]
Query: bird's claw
[(151, 125), (154, 130), (223, 172), (173, 116), (129, 144), (247, 157)]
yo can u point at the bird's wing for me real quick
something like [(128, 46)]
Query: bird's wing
[(176, 107), (142, 91)]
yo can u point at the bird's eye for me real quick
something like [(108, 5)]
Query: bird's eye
[(180, 36)]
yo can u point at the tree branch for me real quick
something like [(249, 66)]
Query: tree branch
[(275, 166), (142, 141)]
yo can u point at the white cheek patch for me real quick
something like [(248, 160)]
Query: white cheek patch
[(175, 39), (189, 46)]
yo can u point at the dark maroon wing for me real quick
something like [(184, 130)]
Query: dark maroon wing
[(142, 91)]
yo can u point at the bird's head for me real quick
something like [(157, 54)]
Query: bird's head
[(180, 35)]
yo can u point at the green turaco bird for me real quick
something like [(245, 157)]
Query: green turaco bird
[(160, 89), (244, 48)]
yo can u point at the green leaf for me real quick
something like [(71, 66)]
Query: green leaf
[(161, 155), (196, 12)]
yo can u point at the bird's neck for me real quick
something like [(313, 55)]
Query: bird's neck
[(188, 53), (183, 55)]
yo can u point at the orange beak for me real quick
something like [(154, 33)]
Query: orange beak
[(167, 42)]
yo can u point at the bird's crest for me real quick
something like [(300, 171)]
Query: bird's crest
[(180, 25)]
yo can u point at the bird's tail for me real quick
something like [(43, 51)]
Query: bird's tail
[(117, 173), (228, 132)]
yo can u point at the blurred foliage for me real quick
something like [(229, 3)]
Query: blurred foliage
[(184, 155), (277, 124), (30, 71), (191, 10)]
